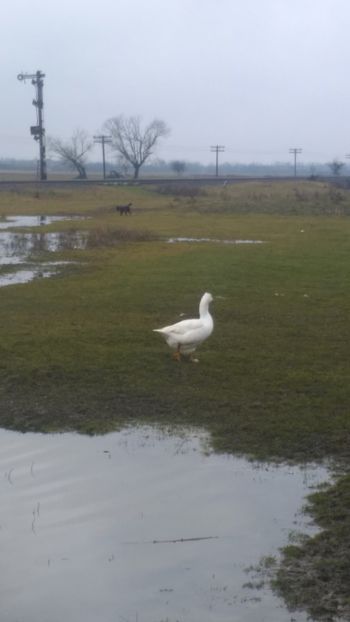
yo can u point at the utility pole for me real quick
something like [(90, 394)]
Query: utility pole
[(217, 149), (103, 140), (295, 151), (38, 131)]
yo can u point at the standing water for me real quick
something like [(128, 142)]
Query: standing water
[(16, 248), (140, 526)]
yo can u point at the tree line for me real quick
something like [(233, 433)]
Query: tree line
[(160, 167), (134, 144)]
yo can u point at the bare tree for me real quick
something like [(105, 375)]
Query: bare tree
[(132, 142), (73, 152), (336, 166), (178, 166)]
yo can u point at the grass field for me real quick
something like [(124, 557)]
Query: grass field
[(78, 352)]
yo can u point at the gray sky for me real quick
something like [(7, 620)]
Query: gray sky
[(258, 76)]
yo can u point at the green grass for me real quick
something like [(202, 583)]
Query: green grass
[(77, 351), (315, 575), (278, 354)]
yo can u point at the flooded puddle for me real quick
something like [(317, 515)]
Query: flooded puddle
[(33, 221), (137, 526), (24, 276), (17, 248), (214, 240)]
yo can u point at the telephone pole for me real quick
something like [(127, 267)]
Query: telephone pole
[(295, 151), (38, 131), (103, 140), (217, 149)]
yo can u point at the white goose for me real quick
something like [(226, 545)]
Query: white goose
[(185, 336)]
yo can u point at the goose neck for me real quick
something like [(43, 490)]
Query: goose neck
[(203, 308)]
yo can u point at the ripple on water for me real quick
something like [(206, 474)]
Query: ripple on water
[(137, 525)]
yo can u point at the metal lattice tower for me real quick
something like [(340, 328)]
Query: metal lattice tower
[(38, 131)]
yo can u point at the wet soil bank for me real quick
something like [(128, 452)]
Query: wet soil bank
[(315, 575)]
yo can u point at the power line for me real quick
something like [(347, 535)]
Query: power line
[(217, 149), (103, 140), (38, 131), (295, 151)]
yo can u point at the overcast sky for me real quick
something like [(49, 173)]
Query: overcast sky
[(257, 76)]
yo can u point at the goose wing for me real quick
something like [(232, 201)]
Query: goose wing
[(181, 328)]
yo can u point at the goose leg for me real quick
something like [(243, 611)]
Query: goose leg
[(177, 355)]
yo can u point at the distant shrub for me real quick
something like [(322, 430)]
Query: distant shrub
[(182, 190), (300, 195), (335, 195)]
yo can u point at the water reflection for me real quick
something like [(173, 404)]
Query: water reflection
[(17, 248), (138, 526), (217, 241), (33, 221), (24, 276)]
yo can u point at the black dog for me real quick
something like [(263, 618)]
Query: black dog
[(124, 209)]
